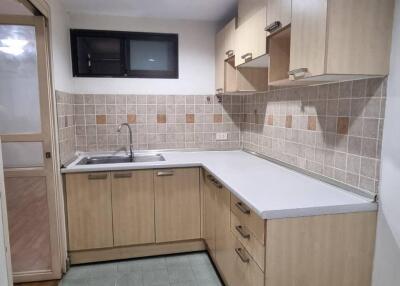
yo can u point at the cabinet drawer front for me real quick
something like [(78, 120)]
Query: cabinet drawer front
[(245, 270), (247, 217), (243, 233)]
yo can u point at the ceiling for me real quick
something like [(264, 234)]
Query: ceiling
[(13, 7), (207, 10)]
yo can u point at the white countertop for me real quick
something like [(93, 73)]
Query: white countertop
[(271, 190)]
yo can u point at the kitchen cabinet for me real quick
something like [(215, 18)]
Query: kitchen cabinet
[(341, 39), (224, 49), (89, 211), (279, 14), (177, 204), (250, 41), (133, 207), (209, 215), (247, 9)]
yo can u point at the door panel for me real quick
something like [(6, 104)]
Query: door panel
[(133, 207), (177, 204), (25, 128), (209, 215), (89, 211)]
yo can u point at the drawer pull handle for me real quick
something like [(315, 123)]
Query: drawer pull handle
[(273, 26), (298, 73), (229, 53), (242, 231), (247, 57), (165, 173), (122, 175), (244, 209), (215, 181), (97, 176), (242, 255)]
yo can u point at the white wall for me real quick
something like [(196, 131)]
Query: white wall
[(196, 56), (387, 255), (61, 51)]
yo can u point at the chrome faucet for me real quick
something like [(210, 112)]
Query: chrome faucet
[(130, 138)]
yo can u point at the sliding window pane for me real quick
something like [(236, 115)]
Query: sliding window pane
[(152, 55)]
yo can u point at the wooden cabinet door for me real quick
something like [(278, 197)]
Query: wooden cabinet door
[(251, 39), (279, 11), (133, 207), (89, 211), (177, 204), (209, 215), (219, 61), (308, 36), (224, 238)]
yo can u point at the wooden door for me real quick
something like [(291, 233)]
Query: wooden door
[(5, 259), (308, 37), (224, 242), (177, 204), (133, 207), (29, 149), (89, 211), (279, 11), (219, 61), (209, 214)]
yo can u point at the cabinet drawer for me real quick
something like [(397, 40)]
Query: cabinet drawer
[(249, 218), (245, 270), (243, 233)]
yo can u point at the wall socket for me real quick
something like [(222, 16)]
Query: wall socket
[(221, 136)]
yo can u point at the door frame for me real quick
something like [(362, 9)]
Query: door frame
[(49, 141), (4, 226)]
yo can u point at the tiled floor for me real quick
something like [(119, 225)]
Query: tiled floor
[(179, 270)]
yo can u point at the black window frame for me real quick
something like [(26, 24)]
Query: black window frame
[(125, 38)]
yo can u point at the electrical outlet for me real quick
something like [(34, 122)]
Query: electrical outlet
[(221, 136)]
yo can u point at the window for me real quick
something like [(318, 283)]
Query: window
[(124, 54)]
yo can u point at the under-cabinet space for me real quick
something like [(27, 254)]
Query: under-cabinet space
[(133, 207), (177, 204), (89, 211)]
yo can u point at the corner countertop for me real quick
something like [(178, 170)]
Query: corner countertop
[(271, 190)]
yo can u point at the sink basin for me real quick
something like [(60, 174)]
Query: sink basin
[(95, 160)]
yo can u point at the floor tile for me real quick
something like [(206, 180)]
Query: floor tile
[(179, 274), (155, 277), (130, 279)]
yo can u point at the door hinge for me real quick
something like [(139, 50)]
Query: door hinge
[(48, 155)]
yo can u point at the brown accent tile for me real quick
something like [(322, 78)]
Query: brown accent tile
[(101, 119), (289, 120), (270, 120), (217, 118), (189, 118), (161, 118), (342, 125), (131, 118), (312, 123)]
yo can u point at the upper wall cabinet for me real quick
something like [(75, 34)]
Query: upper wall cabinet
[(279, 14), (251, 37), (224, 49), (341, 39), (248, 8)]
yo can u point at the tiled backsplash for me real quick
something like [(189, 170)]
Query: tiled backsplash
[(334, 130)]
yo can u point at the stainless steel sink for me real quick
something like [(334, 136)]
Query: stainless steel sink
[(138, 158)]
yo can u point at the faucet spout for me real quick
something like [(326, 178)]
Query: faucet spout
[(131, 155)]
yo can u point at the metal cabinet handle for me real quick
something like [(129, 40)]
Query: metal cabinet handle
[(242, 255), (97, 176), (242, 231), (243, 208), (273, 26), (215, 181), (298, 73), (220, 90), (165, 173), (229, 53), (122, 175), (247, 57)]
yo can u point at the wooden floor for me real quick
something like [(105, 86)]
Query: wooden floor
[(28, 220)]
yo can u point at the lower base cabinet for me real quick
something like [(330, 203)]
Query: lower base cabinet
[(329, 250)]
